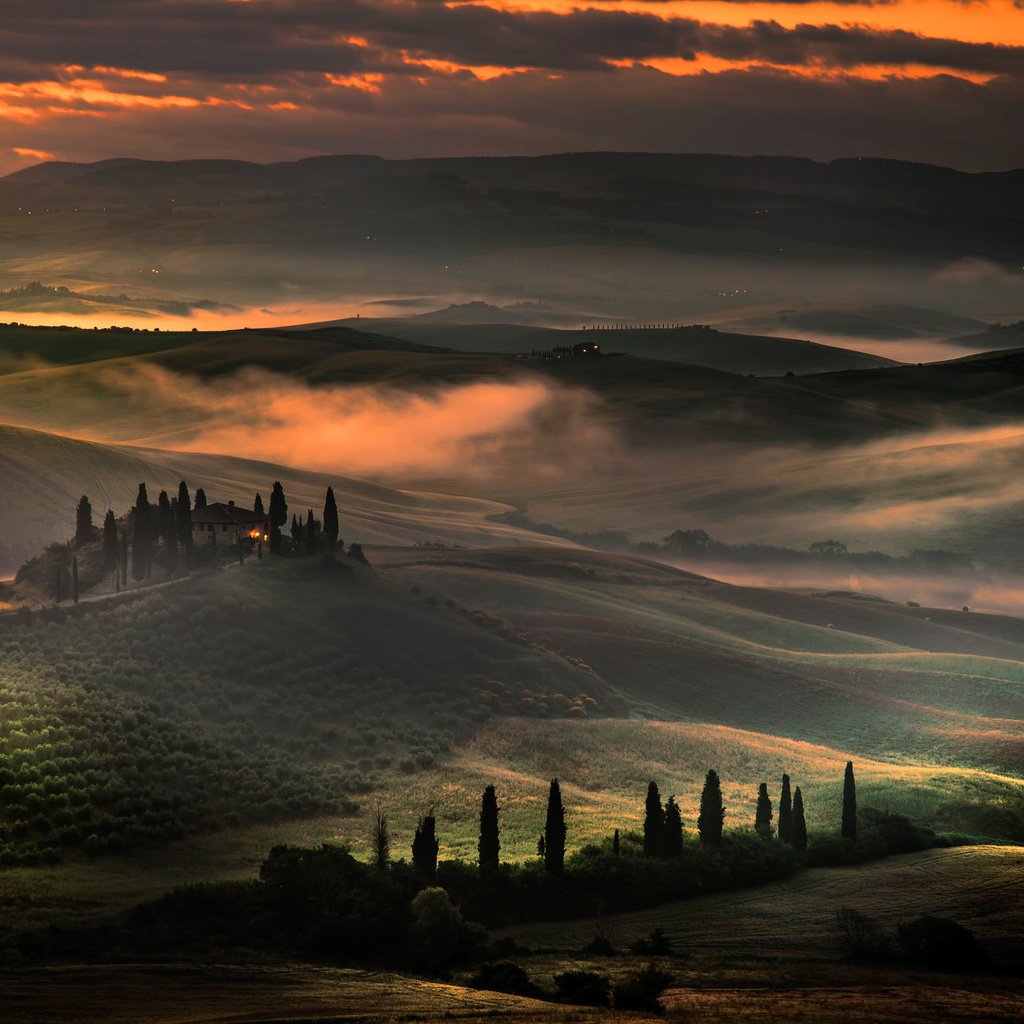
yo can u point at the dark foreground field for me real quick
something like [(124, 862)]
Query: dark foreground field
[(768, 954)]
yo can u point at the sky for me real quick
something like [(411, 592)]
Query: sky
[(940, 81)]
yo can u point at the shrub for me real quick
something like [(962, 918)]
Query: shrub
[(940, 943), (585, 988), (504, 976), (655, 944), (641, 990), (860, 937)]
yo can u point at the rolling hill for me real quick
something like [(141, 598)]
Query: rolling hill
[(732, 352), (628, 236)]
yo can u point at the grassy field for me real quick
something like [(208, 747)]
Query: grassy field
[(982, 887), (755, 956)]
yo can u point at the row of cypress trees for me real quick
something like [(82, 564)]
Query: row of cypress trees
[(168, 525), (663, 827)]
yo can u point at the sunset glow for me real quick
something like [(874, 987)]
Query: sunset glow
[(406, 79)]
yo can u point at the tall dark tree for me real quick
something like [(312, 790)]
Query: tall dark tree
[(489, 845), (330, 520), (184, 517), (380, 838), (257, 505), (540, 846), (85, 532), (615, 843), (555, 831), (786, 812), (673, 830), (425, 845), (142, 534), (849, 804), (109, 540), (763, 815), (278, 516), (799, 830), (171, 537), (712, 810), (164, 521), (123, 559), (298, 533), (74, 580), (654, 823), (200, 499), (312, 534)]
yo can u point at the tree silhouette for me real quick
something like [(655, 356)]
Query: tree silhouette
[(184, 517), (164, 523), (425, 846), (330, 520), (849, 828), (141, 534), (380, 838), (109, 540), (799, 831), (615, 843), (673, 830), (540, 846), (85, 532), (298, 531), (712, 810), (654, 823), (257, 505), (763, 816), (555, 831), (312, 533), (278, 516), (786, 812), (200, 499), (489, 845)]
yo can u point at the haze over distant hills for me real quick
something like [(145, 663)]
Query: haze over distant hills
[(592, 236)]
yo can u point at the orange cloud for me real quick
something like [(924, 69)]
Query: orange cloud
[(994, 21), (32, 154)]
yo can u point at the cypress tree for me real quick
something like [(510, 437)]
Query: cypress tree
[(200, 499), (673, 830), (654, 823), (615, 844), (298, 533), (540, 846), (763, 816), (124, 559), (425, 846), (555, 831), (184, 517), (85, 532), (785, 812), (712, 810), (278, 516), (849, 804), (380, 838), (141, 535), (312, 534), (330, 520), (164, 520), (799, 830), (109, 540), (171, 539), (257, 505), (489, 845)]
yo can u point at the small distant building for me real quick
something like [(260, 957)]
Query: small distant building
[(229, 524), (586, 348)]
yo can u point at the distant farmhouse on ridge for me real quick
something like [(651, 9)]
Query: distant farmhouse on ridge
[(229, 523)]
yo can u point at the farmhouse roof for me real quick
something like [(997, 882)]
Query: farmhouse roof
[(228, 514)]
